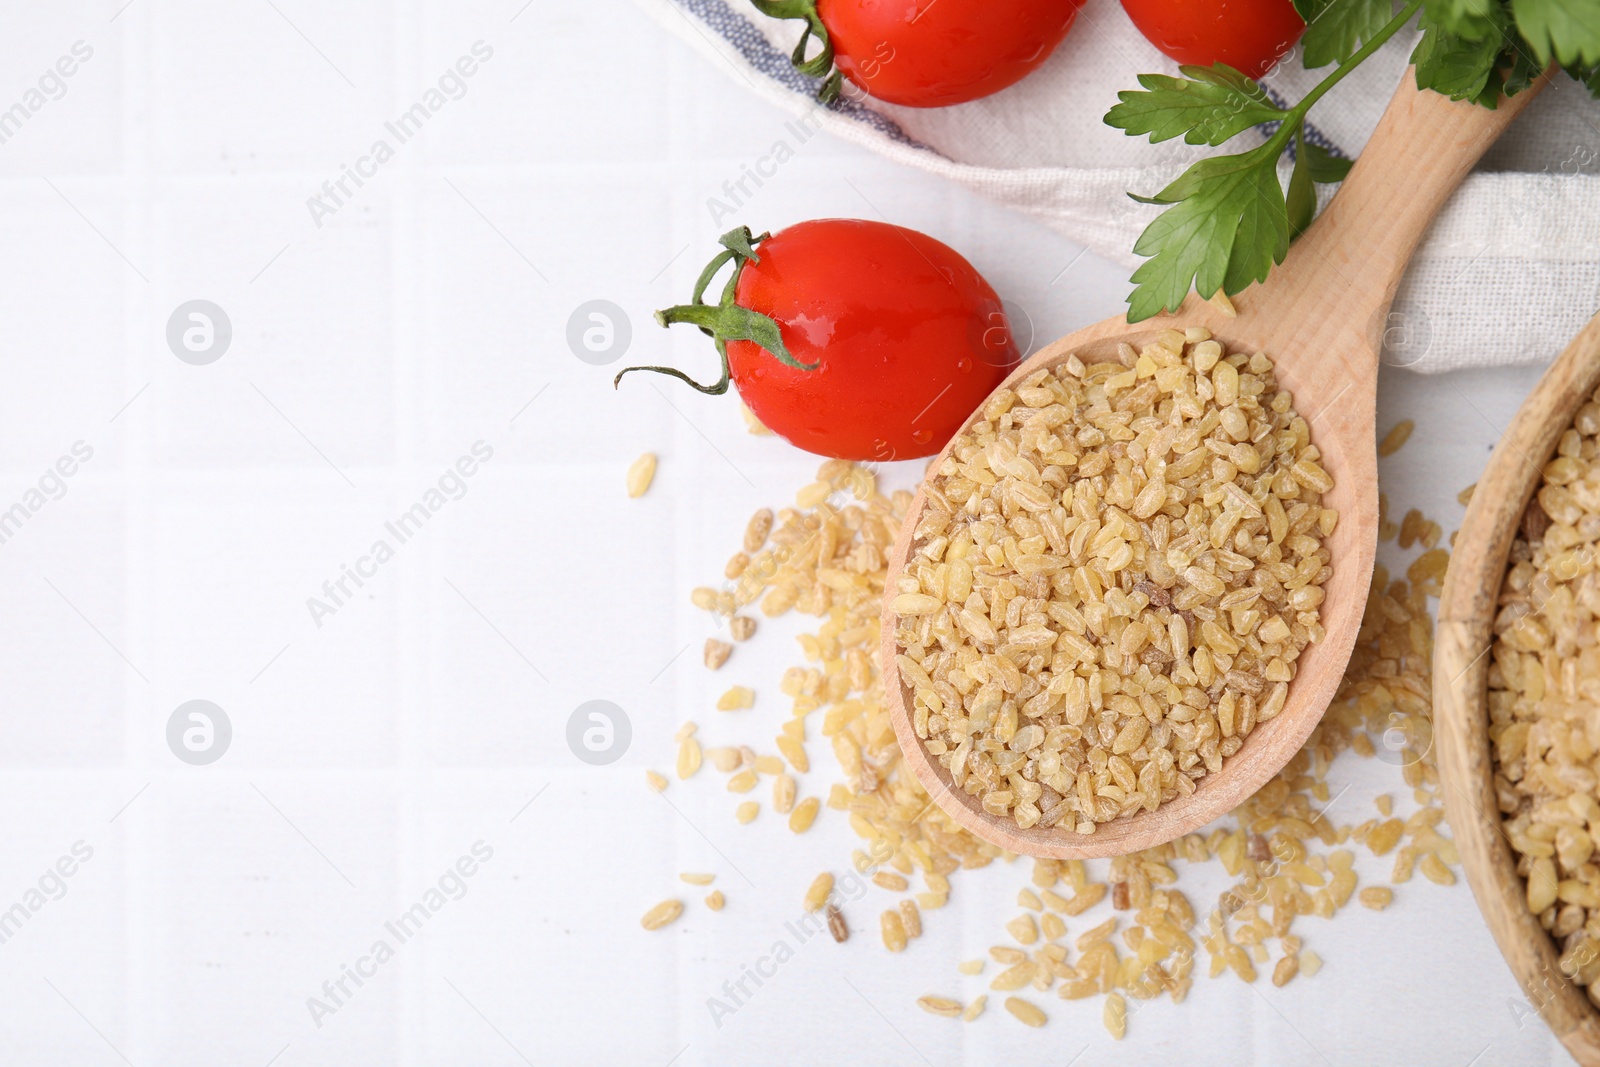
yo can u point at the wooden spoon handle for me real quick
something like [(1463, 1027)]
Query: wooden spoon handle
[(1355, 252)]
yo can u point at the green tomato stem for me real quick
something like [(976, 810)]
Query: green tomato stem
[(725, 320), (819, 65)]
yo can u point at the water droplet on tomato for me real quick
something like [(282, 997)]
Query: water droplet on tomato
[(922, 437), (964, 365)]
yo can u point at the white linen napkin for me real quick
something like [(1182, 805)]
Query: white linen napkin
[(1508, 274)]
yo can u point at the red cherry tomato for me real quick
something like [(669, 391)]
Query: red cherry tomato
[(902, 337), (1248, 35), (932, 53), (909, 336)]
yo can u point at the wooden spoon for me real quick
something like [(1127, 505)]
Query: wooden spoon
[(1321, 318), (1461, 697)]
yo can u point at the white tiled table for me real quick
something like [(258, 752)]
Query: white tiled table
[(429, 711)]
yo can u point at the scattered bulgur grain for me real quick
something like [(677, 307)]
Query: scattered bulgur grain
[(1089, 938), (828, 562), (1026, 1011), (836, 924), (640, 474), (949, 1009), (804, 814), (697, 878), (747, 811), (741, 627), (744, 781), (1434, 870), (656, 781), (757, 530), (717, 652), (1396, 438), (1410, 528), (662, 914), (890, 881), (1115, 1016), (1024, 929), (1088, 898), (737, 698), (821, 888), (975, 1009), (1239, 960), (715, 900), (910, 918), (894, 931), (812, 495), (794, 752), (688, 757), (1376, 897), (1257, 848), (1286, 969), (970, 967), (1385, 836), (783, 793)]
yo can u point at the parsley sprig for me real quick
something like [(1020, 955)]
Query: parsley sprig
[(1228, 219)]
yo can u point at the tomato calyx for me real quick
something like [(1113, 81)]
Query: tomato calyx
[(819, 65), (725, 320)]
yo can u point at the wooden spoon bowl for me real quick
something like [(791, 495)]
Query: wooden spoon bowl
[(1321, 318), (1461, 694)]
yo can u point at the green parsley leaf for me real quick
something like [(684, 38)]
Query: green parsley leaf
[(1228, 220), (1262, 239), (1523, 69), (1567, 29), (1326, 167), (1226, 227), (1301, 200), (1473, 19), (1207, 106), (1335, 29), (1313, 164), (1460, 68)]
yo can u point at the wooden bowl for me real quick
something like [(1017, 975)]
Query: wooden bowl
[(1461, 698)]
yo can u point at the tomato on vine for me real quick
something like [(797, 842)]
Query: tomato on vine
[(924, 53), (852, 339)]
